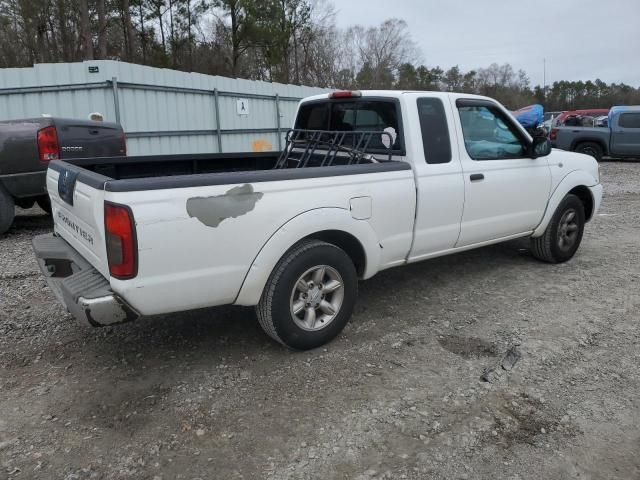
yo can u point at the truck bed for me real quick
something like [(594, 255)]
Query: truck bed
[(153, 172), (201, 220), (566, 138), (153, 166)]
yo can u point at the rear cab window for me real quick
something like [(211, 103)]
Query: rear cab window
[(364, 114)]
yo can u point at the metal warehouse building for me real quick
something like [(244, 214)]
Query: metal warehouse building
[(161, 110)]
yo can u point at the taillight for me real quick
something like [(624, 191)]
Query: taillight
[(120, 233), (48, 147), (553, 134), (345, 94)]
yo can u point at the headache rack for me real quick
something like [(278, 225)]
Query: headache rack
[(322, 148)]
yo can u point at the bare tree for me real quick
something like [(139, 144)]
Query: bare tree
[(277, 40), (65, 29), (128, 30), (382, 50), (172, 36), (102, 28), (239, 30), (143, 38), (85, 30), (157, 7)]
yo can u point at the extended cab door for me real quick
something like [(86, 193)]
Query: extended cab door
[(438, 172), (625, 134), (506, 191)]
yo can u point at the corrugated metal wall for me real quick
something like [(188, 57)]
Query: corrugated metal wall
[(162, 111)]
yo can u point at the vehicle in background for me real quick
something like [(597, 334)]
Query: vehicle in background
[(367, 181), (579, 121), (532, 119), (620, 140), (530, 116), (576, 115), (551, 116), (27, 146), (602, 121), (535, 120), (550, 119)]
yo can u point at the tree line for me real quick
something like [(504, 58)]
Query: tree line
[(289, 41)]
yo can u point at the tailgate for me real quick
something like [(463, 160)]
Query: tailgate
[(77, 204), (80, 139)]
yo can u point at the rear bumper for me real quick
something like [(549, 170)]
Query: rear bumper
[(78, 285), (24, 185)]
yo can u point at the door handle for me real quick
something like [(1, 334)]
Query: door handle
[(476, 177)]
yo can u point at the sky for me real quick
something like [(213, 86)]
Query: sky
[(580, 39)]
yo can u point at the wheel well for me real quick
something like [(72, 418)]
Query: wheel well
[(597, 141), (346, 242), (584, 194)]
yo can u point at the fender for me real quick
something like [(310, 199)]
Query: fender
[(573, 179), (294, 230)]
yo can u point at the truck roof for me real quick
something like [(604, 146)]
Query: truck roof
[(399, 94), (624, 109)]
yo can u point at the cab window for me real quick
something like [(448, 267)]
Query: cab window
[(435, 130), (363, 116), (313, 116), (629, 120), (489, 135), (355, 116)]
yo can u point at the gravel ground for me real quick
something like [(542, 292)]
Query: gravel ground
[(397, 395)]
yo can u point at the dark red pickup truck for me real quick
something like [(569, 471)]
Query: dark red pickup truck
[(27, 146)]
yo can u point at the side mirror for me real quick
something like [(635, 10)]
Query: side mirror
[(540, 147)]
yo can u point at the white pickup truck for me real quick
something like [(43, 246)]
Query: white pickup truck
[(368, 181)]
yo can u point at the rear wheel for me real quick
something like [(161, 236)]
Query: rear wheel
[(7, 210), (563, 235), (590, 148), (309, 296)]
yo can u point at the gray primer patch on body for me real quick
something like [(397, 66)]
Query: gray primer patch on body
[(213, 210)]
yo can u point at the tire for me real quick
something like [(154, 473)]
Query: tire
[(44, 203), (563, 235), (7, 210), (302, 266), (590, 148)]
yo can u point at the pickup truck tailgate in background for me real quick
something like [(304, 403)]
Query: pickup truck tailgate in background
[(78, 215), (79, 140)]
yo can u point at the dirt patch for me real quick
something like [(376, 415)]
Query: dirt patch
[(468, 347), (397, 395), (522, 419)]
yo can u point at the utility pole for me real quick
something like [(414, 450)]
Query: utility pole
[(544, 79)]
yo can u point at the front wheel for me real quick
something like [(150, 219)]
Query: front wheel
[(563, 235), (309, 296)]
